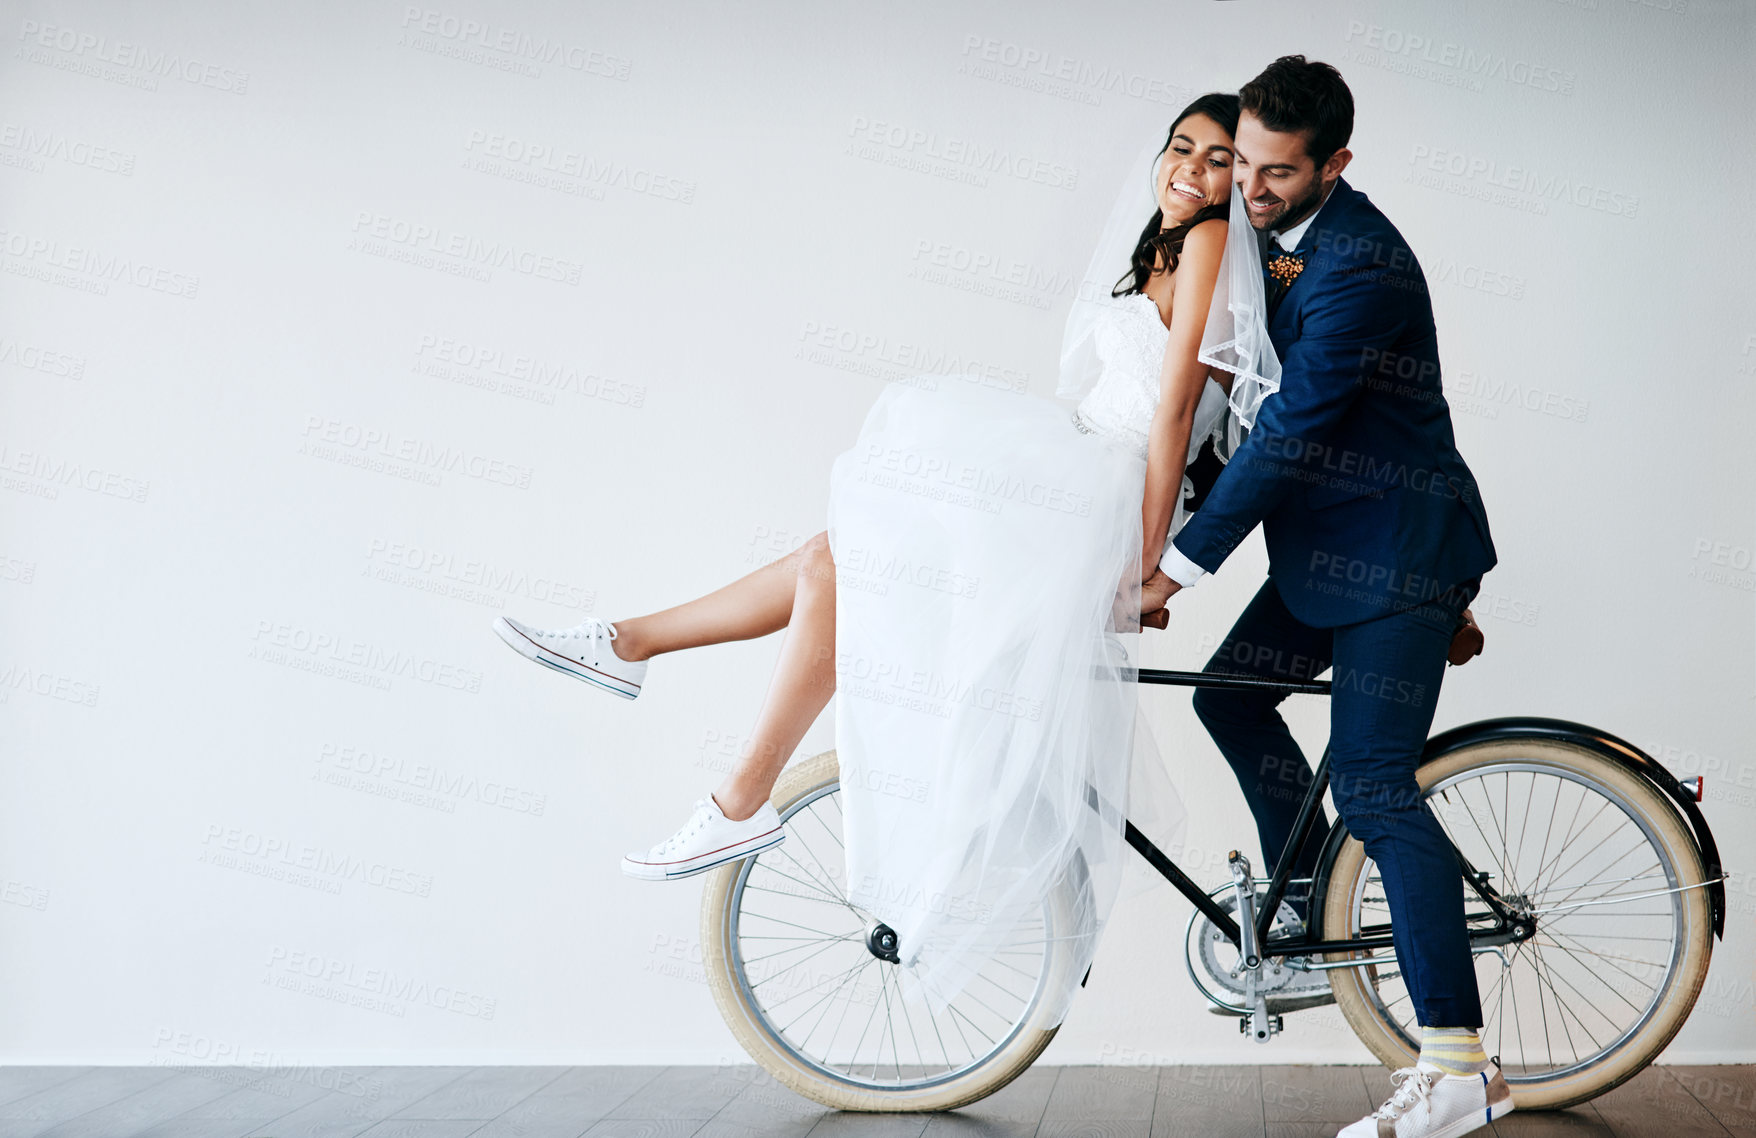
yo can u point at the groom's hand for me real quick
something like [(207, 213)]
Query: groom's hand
[(1154, 592)]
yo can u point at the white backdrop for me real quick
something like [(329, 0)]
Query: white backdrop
[(330, 331)]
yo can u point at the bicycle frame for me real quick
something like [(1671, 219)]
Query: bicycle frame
[(1508, 927)]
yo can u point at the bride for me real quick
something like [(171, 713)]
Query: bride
[(976, 596)]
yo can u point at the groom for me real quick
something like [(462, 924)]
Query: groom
[(1376, 541)]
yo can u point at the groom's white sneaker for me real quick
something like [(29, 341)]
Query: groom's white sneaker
[(1428, 1103), (582, 651), (707, 839)]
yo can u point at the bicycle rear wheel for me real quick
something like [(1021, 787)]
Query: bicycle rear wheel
[(793, 970), (1611, 874)]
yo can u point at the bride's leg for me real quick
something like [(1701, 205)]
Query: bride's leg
[(804, 679), (756, 604)]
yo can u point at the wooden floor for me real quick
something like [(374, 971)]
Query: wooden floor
[(738, 1102)]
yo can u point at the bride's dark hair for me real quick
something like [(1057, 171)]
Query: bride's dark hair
[(1168, 243)]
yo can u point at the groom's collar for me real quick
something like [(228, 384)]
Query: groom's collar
[(1289, 240)]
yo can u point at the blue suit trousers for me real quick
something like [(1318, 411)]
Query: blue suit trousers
[(1385, 682)]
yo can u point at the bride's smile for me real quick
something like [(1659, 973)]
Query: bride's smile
[(1195, 171)]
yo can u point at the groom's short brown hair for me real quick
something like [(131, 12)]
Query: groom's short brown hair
[(1296, 94)]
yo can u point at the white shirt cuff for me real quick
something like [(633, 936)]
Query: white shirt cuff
[(1179, 568)]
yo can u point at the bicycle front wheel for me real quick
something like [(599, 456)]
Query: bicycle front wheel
[(1611, 875), (801, 979)]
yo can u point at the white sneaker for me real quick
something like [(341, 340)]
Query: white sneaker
[(706, 840), (583, 651), (1428, 1103)]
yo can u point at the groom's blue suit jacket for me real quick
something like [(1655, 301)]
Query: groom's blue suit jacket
[(1352, 469)]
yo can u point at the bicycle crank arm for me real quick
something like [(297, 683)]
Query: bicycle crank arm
[(1259, 1025), (1244, 887)]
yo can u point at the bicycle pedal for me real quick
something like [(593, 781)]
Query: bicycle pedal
[(1270, 1026)]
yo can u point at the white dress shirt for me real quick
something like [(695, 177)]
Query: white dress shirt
[(1291, 238)]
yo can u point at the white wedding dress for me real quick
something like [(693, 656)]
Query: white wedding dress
[(985, 672)]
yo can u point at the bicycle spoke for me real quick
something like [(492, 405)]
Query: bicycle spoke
[(977, 999), (822, 892), (827, 828), (1013, 967), (847, 977), (978, 1029), (996, 984), (890, 1029), (1602, 805), (1609, 956), (796, 964), (1566, 1010), (870, 1019), (1542, 1007), (778, 921), (1594, 1039), (1488, 801), (1643, 875), (1639, 844), (952, 1012), (908, 1020), (833, 940), (828, 891), (1561, 902), (1474, 821), (1631, 1004), (1500, 1009), (1529, 797), (1549, 831), (940, 1036), (1517, 1020), (783, 893), (1498, 980)]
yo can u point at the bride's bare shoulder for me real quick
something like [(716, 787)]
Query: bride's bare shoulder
[(1209, 234), (1203, 247)]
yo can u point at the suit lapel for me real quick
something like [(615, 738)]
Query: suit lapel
[(1281, 326)]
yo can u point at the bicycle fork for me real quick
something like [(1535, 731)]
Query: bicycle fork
[(1260, 1026)]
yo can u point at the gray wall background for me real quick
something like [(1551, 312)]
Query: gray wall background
[(330, 331)]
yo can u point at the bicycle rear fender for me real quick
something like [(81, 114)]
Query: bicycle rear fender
[(1611, 747)]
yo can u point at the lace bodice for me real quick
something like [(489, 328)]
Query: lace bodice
[(1131, 344)]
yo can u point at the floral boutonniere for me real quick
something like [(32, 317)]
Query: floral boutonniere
[(1286, 267)]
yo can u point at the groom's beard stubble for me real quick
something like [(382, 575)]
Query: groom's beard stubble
[(1291, 213)]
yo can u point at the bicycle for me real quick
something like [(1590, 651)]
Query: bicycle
[(789, 960)]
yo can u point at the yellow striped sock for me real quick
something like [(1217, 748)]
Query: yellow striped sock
[(1454, 1050)]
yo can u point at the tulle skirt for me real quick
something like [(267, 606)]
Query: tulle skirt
[(987, 558)]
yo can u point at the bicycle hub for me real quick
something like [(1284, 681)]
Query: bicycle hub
[(881, 942)]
